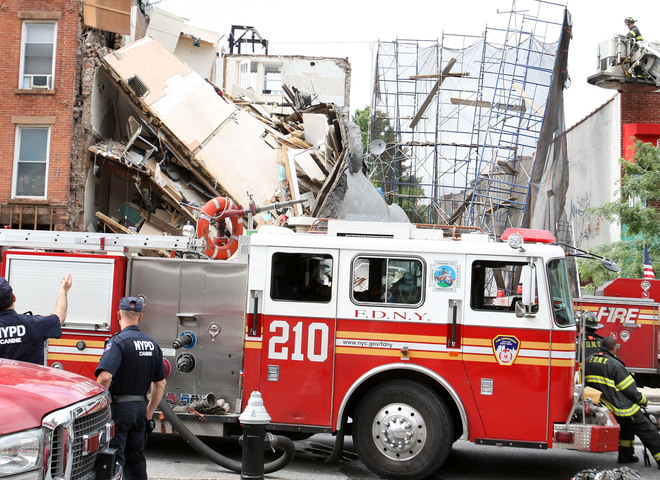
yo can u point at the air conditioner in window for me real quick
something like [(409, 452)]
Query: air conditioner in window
[(38, 81)]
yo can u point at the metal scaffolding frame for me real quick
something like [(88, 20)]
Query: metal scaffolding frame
[(461, 118)]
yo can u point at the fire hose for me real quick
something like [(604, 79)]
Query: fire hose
[(270, 441)]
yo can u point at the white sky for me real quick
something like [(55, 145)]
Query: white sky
[(352, 28)]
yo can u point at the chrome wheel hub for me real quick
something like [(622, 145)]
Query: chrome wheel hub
[(399, 431)]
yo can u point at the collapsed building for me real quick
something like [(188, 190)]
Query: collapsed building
[(170, 141)]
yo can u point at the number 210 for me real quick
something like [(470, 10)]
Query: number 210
[(313, 330)]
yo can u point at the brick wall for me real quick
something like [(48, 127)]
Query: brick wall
[(54, 107), (638, 108)]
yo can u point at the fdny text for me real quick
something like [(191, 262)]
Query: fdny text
[(382, 315)]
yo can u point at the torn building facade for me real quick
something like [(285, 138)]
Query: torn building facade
[(170, 143), (262, 79)]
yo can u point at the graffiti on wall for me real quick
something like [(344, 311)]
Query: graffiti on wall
[(585, 225)]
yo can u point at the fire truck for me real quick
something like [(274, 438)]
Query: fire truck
[(393, 333), (628, 309)]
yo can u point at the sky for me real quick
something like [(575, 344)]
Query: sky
[(352, 29)]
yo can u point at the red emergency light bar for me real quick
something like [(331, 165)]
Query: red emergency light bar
[(531, 235)]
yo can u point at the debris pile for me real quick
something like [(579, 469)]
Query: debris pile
[(169, 142)]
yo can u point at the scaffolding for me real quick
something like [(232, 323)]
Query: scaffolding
[(455, 123)]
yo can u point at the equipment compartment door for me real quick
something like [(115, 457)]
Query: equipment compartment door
[(298, 335), (507, 358)]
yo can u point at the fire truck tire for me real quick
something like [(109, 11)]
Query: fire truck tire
[(402, 430)]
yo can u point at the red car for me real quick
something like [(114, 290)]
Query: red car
[(54, 425)]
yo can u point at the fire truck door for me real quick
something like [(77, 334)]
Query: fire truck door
[(298, 335), (506, 357)]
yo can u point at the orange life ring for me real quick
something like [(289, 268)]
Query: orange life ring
[(219, 248)]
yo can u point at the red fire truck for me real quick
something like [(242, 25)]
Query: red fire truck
[(628, 309), (395, 334)]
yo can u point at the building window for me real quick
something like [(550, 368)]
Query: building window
[(38, 55), (272, 80), (31, 162), (387, 280)]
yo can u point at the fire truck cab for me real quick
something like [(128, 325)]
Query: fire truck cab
[(406, 338)]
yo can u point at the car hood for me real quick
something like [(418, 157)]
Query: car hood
[(28, 392)]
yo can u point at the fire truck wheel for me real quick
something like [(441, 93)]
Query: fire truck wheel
[(402, 430)]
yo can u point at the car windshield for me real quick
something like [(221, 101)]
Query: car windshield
[(562, 306)]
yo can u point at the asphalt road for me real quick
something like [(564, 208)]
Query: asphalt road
[(172, 459)]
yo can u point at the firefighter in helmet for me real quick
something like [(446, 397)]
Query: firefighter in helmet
[(605, 372), (591, 341), (633, 32)]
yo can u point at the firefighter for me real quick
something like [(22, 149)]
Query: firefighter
[(592, 341), (131, 363), (22, 336), (605, 372), (633, 32)]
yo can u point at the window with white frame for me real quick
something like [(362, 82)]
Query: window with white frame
[(31, 161), (38, 55), (272, 79)]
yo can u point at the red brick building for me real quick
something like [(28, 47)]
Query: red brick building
[(38, 92)]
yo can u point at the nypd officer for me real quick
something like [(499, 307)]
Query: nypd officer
[(22, 336), (131, 363)]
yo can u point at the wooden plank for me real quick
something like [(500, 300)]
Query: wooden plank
[(434, 90), (114, 226), (308, 165), (292, 178)]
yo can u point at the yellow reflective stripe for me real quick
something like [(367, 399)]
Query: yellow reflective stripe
[(625, 383), (657, 456), (621, 412), (643, 400), (626, 443), (601, 380)]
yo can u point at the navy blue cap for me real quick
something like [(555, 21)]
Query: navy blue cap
[(125, 304), (5, 289)]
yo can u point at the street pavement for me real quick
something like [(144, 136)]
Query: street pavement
[(170, 458)]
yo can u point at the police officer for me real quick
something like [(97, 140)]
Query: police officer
[(592, 341), (22, 336), (605, 372), (131, 363)]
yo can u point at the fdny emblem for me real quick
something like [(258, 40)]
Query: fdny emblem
[(506, 349)]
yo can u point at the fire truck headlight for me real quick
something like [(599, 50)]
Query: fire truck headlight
[(515, 241), (22, 452)]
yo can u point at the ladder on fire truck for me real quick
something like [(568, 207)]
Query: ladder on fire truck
[(108, 242)]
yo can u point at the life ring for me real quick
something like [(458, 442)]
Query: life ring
[(219, 247)]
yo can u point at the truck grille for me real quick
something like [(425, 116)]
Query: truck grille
[(68, 428)]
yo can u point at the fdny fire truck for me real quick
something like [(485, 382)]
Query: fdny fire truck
[(629, 309), (406, 337)]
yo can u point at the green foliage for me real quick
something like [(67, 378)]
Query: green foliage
[(640, 194), (628, 254), (637, 211), (361, 119)]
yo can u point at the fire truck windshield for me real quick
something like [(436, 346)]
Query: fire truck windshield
[(562, 306)]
